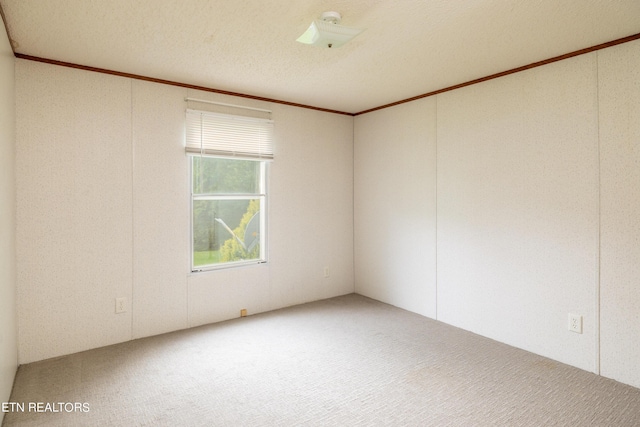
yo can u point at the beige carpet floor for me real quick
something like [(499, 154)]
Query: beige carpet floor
[(346, 361)]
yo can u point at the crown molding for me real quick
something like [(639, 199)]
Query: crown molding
[(506, 73)]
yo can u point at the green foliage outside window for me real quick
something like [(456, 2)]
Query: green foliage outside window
[(231, 249), (219, 220)]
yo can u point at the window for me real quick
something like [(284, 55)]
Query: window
[(228, 156)]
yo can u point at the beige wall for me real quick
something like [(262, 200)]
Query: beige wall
[(395, 205), (537, 206), (518, 209), (74, 205), (8, 341), (619, 95), (103, 212)]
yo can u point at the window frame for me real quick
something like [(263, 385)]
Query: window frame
[(261, 195)]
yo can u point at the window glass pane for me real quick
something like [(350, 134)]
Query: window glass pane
[(225, 231), (225, 176)]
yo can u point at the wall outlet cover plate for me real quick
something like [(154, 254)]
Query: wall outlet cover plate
[(575, 323)]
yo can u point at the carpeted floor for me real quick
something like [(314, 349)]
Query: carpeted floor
[(344, 361)]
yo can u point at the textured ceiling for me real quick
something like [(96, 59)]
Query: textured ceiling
[(410, 47)]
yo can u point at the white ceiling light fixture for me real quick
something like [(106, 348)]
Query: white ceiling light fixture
[(326, 32)]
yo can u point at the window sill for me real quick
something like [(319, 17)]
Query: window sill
[(227, 266)]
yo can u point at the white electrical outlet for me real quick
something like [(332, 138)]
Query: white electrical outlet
[(575, 323), (121, 305), (326, 272)]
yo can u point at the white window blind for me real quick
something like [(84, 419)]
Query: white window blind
[(226, 135)]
